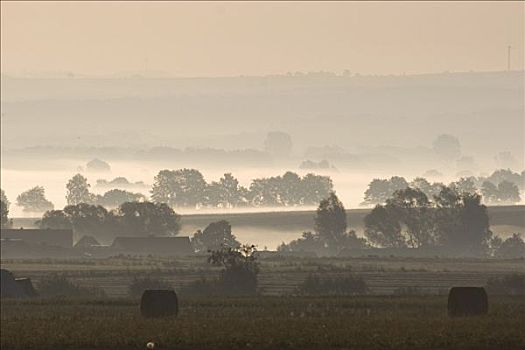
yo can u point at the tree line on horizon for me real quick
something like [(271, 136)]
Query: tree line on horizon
[(453, 222), (187, 188), (501, 187), (456, 222)]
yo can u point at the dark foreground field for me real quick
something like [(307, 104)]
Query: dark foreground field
[(263, 323)]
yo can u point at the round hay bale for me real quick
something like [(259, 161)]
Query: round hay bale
[(8, 286), (159, 303), (26, 286), (467, 301)]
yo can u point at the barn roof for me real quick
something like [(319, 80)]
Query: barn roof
[(86, 242), (154, 245), (61, 238)]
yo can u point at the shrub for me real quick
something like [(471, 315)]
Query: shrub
[(507, 285), (202, 288), (239, 276), (60, 286), (139, 285), (410, 290), (511, 248), (349, 285)]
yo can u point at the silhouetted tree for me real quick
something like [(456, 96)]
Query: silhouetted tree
[(264, 192), (226, 193), (4, 210), (55, 219), (462, 222), (465, 185), (507, 175), (315, 188), (412, 208), (4, 215), (330, 222), (4, 199), (130, 219), (78, 191), (397, 183), (308, 242), (187, 187), (88, 219), (146, 218), (505, 192), (383, 228), (179, 188), (511, 248), (330, 234), (98, 165), (34, 200), (490, 192), (216, 236), (457, 221), (239, 276), (116, 197), (379, 190), (291, 189), (508, 192), (422, 184)]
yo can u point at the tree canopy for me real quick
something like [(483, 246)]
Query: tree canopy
[(454, 220), (187, 188), (78, 190), (330, 231), (216, 236), (129, 219), (4, 210), (34, 200)]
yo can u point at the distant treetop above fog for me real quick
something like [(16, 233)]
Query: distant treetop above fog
[(97, 165), (120, 182), (433, 173), (313, 165), (447, 147), (278, 144)]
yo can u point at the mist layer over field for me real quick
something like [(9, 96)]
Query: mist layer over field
[(365, 126), (350, 185)]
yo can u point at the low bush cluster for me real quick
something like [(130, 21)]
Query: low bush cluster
[(507, 285), (58, 286), (347, 285), (139, 285)]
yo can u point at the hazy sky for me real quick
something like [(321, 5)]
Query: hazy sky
[(216, 39)]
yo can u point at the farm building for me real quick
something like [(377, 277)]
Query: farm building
[(19, 249), (48, 237), (153, 245), (87, 242)]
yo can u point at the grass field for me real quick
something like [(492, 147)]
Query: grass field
[(278, 276), (263, 323), (277, 318)]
